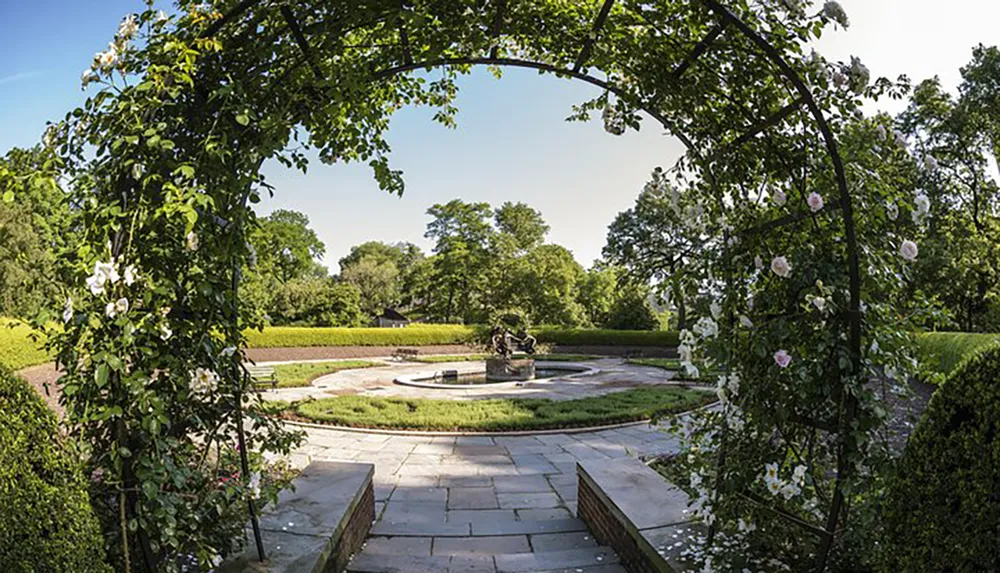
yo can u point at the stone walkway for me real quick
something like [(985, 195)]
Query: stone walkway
[(614, 376), (479, 503)]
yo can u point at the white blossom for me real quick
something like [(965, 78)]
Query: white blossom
[(87, 77), (836, 12), (778, 197), (923, 205), (705, 327), (128, 27), (228, 351), (880, 130), (103, 274), (254, 485), (68, 310), (859, 74), (111, 310), (192, 241), (908, 250), (745, 321), (716, 309), (121, 306), (901, 140), (820, 303), (165, 333), (790, 490), (781, 267), (204, 381), (758, 262), (51, 137), (106, 60), (130, 275), (161, 16), (815, 201), (892, 211)]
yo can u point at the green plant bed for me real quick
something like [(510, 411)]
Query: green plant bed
[(674, 365), (605, 337), (539, 357), (940, 353), (302, 374), (17, 349), (499, 414)]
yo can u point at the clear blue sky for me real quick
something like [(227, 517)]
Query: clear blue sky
[(511, 144)]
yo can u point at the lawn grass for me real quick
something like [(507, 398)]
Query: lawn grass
[(17, 349), (302, 374), (939, 353), (500, 414), (477, 357)]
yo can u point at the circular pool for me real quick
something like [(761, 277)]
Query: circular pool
[(474, 376)]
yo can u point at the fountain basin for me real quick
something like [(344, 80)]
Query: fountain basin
[(475, 376)]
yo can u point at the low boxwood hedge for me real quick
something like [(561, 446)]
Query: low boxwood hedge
[(46, 521), (941, 352), (17, 349), (439, 334), (942, 509)]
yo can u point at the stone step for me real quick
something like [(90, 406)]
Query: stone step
[(417, 528), (589, 560)]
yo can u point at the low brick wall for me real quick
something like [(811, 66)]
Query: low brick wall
[(354, 534), (633, 510), (610, 531)]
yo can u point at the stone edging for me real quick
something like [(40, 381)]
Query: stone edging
[(578, 371), (582, 430)]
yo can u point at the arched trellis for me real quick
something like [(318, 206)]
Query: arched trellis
[(314, 65), (726, 21)]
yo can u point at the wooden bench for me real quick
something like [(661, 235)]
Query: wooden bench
[(405, 354), (263, 376)]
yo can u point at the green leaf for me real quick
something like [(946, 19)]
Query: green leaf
[(243, 119), (8, 197), (149, 488), (101, 375)]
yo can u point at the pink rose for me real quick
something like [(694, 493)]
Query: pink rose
[(782, 358), (815, 201)]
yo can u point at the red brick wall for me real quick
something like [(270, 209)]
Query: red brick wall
[(608, 530), (354, 534)]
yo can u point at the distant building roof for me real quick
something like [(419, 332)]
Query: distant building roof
[(392, 314)]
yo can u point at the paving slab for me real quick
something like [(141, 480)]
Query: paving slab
[(528, 527), (481, 516), (369, 563), (561, 541), (485, 545), (532, 562), (398, 545), (472, 564), (472, 498), (522, 484), (419, 494), (543, 514), (528, 500)]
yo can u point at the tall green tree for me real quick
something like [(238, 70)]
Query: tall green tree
[(287, 248), (462, 233), (654, 241), (523, 224), (34, 225), (598, 292)]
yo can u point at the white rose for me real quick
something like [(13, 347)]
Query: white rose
[(192, 241), (781, 267), (110, 310), (892, 211), (68, 310), (130, 275), (908, 250)]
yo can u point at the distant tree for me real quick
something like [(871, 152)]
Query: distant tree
[(548, 286), (317, 302), (287, 248), (632, 311), (980, 93), (654, 243), (461, 232), (598, 292), (523, 224), (378, 281), (34, 225)]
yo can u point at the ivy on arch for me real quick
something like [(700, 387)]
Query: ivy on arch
[(164, 158)]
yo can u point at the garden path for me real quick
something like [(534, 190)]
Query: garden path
[(482, 503)]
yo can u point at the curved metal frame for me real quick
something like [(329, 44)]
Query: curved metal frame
[(726, 19)]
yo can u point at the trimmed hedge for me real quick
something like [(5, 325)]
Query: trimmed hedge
[(941, 352), (427, 335), (46, 521), (943, 508), (17, 350)]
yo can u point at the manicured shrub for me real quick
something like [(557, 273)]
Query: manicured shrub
[(605, 337), (943, 508), (941, 352), (46, 521)]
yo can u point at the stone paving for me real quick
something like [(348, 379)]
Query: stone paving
[(614, 376), (482, 503)]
